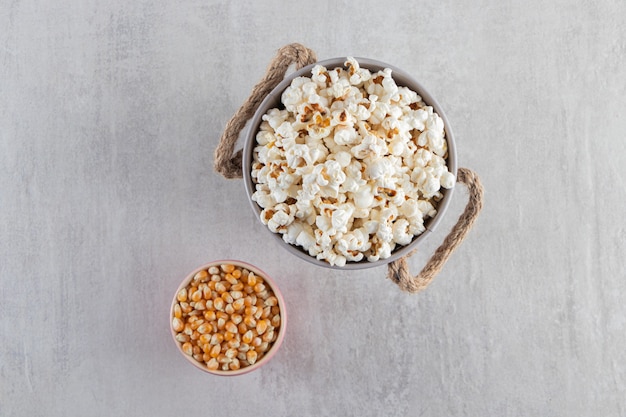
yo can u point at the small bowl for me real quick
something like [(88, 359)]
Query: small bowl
[(273, 100), (274, 345)]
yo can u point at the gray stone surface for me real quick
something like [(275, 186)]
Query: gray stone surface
[(109, 116)]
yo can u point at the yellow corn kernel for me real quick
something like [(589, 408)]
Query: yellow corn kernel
[(259, 288), (177, 324), (251, 279), (234, 365), (236, 295), (196, 350), (185, 307), (194, 336), (275, 320), (243, 347), (228, 336), (233, 343), (196, 296), (237, 287), (263, 347), (266, 312), (214, 270), (213, 365), (216, 278), (238, 305), (217, 338), (236, 319), (247, 337), (215, 350), (258, 313), (182, 295), (230, 327), (275, 310), (231, 279), (220, 287), (271, 301), (256, 342), (219, 304), (206, 292), (201, 275), (178, 313), (268, 336), (204, 338), (251, 356), (204, 328), (200, 305), (182, 338), (249, 321), (228, 268), (242, 327), (206, 357), (188, 348), (249, 311), (261, 326), (231, 353), (229, 308), (209, 315), (198, 357), (236, 273), (221, 323)]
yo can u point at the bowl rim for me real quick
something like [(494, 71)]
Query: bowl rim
[(281, 304), (402, 78)]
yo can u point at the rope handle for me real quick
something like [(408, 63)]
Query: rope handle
[(228, 162), (398, 271)]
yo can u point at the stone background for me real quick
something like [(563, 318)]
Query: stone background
[(109, 116)]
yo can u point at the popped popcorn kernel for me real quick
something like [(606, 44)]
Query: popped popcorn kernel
[(352, 166)]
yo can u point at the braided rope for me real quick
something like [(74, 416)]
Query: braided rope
[(398, 271), (227, 161)]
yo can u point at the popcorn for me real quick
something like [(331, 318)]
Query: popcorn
[(352, 166)]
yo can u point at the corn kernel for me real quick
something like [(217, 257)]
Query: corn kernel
[(249, 321), (231, 327), (251, 355), (237, 287), (214, 270), (209, 315), (182, 338), (178, 313), (204, 338), (213, 364), (261, 327), (177, 324), (268, 336), (228, 268), (231, 279), (188, 348), (201, 275), (271, 301), (242, 327), (204, 328), (275, 320), (182, 295), (219, 304), (228, 336), (234, 365), (215, 351), (236, 319), (220, 287), (247, 337), (229, 309), (251, 281)]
